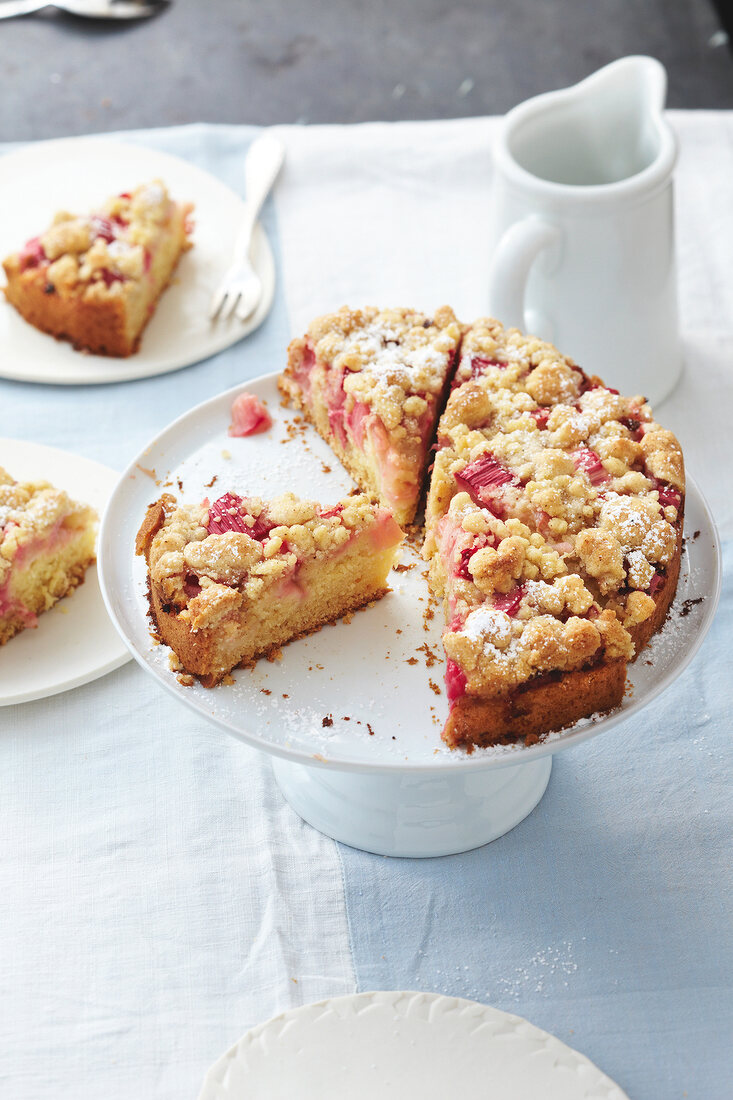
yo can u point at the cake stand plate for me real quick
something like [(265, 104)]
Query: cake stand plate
[(352, 714), (411, 1046)]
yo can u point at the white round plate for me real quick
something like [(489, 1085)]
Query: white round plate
[(74, 642), (376, 682), (411, 1046), (77, 174)]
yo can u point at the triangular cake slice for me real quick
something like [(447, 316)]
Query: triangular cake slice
[(373, 383), (95, 279), (233, 580), (554, 532), (46, 546)]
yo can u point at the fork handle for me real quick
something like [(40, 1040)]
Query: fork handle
[(9, 8), (261, 167)]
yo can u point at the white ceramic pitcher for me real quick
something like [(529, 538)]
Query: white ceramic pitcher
[(583, 226)]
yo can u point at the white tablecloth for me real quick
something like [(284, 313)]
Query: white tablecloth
[(157, 896)]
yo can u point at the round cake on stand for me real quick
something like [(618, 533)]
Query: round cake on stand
[(352, 714)]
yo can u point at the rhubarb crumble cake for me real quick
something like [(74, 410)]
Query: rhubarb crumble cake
[(372, 382), (46, 546), (233, 580), (95, 279), (553, 531)]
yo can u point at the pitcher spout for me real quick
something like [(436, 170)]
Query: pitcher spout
[(644, 77), (607, 131)]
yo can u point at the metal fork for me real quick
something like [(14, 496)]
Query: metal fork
[(240, 290), (90, 9)]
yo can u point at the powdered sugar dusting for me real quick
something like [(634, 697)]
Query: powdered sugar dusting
[(119, 248), (152, 195), (485, 620), (550, 965), (386, 355)]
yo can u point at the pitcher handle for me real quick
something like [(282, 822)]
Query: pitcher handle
[(516, 252)]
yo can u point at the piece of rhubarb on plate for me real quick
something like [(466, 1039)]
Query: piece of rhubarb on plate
[(233, 580), (249, 416), (95, 279), (46, 546), (373, 383)]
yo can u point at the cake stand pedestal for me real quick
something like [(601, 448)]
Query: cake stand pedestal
[(414, 814)]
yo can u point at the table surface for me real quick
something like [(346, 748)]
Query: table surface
[(158, 897), (244, 61)]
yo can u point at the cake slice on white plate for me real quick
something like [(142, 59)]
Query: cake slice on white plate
[(46, 545), (95, 279)]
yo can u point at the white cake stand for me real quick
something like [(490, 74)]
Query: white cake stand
[(352, 714)]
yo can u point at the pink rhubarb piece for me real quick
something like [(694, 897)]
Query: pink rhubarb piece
[(249, 416)]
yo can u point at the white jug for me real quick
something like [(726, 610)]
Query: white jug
[(583, 226)]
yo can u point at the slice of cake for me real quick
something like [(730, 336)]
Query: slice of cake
[(46, 546), (554, 532), (373, 382), (95, 279), (234, 580)]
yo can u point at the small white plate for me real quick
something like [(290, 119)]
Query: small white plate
[(74, 642), (377, 680), (411, 1046), (79, 173)]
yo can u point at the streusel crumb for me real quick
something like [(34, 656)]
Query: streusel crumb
[(553, 512)]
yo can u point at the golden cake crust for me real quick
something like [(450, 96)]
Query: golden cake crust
[(98, 327), (197, 651), (537, 707)]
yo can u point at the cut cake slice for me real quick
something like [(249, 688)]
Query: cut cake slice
[(46, 546), (234, 580), (95, 279), (554, 533), (373, 383)]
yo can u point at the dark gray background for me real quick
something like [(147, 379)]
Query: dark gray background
[(267, 61)]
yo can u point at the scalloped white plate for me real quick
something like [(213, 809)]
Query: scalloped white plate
[(78, 173), (74, 642), (406, 1046), (383, 691)]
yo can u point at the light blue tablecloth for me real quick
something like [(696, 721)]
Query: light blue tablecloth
[(605, 917)]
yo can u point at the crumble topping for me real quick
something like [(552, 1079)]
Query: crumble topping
[(496, 657), (95, 255), (206, 559), (392, 363), (401, 346), (554, 509), (489, 627), (29, 510)]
